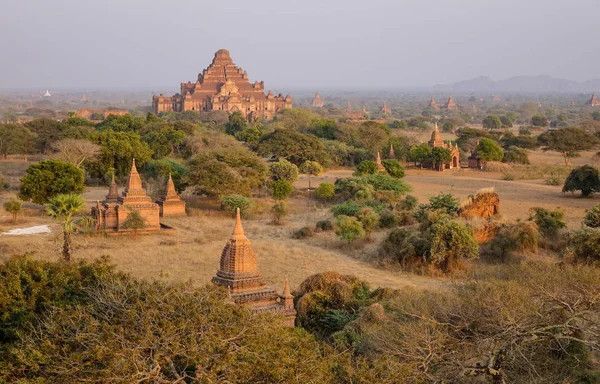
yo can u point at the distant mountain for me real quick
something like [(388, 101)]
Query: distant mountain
[(525, 84)]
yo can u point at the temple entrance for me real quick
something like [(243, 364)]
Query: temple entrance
[(455, 162)]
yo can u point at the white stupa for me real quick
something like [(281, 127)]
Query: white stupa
[(47, 94)]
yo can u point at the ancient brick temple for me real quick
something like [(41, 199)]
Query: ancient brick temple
[(171, 204), (593, 101), (112, 213), (317, 101), (223, 86), (450, 105), (433, 105), (238, 272), (385, 109), (436, 141), (380, 167)]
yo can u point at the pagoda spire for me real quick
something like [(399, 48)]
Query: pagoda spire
[(238, 231), (392, 155), (171, 192), (380, 166), (113, 192)]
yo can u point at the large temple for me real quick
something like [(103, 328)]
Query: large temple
[(111, 215), (238, 272), (223, 86)]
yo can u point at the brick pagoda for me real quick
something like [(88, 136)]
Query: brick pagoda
[(238, 272), (593, 101), (436, 141), (317, 101), (433, 105), (171, 204), (450, 105)]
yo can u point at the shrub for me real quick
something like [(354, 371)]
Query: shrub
[(444, 201), (388, 219), (393, 168), (279, 210), (347, 208), (408, 203), (283, 170), (548, 222), (13, 206), (50, 178), (539, 121), (303, 233), (592, 217), (231, 203), (516, 155), (451, 242), (585, 179), (325, 191), (324, 225), (367, 167), (369, 220), (281, 189), (584, 246), (405, 246), (495, 166), (365, 187), (349, 228), (492, 122), (523, 236)]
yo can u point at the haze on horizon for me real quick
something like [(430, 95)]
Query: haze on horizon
[(308, 43)]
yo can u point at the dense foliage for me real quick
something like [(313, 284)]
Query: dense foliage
[(48, 178)]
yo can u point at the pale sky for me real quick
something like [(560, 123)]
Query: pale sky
[(304, 43)]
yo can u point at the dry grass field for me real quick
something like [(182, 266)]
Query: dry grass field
[(193, 252)]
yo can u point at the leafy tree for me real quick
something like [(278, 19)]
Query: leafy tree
[(448, 126), (369, 220), (440, 156), (283, 170), (325, 191), (250, 135), (516, 155), (13, 206), (354, 187), (592, 217), (451, 241), (583, 247), (292, 146), (324, 128), (393, 168), (134, 221), (232, 203), (372, 136), (62, 208), (539, 121), (489, 150), (567, 141), (492, 122), (279, 211), (47, 132), (236, 124), (311, 168), (506, 121), (281, 189), (117, 151), (126, 123), (445, 201), (420, 153), (48, 178), (161, 169), (548, 222), (367, 167), (15, 139), (349, 228), (521, 141), (165, 141), (585, 179), (399, 124), (596, 115)]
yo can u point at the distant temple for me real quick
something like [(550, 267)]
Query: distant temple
[(593, 101), (47, 94), (238, 272), (380, 167), (435, 142), (112, 213), (171, 204), (391, 154), (385, 109), (223, 86), (450, 105), (317, 101), (433, 104)]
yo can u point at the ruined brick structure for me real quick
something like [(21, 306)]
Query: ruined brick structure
[(385, 109), (433, 105), (238, 272), (223, 86), (317, 101), (593, 101), (171, 204), (112, 213), (450, 105), (436, 141)]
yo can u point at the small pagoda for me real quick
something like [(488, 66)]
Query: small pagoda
[(386, 110), (317, 101), (171, 204), (593, 101), (437, 142), (380, 167), (450, 105), (238, 272), (391, 154), (433, 105)]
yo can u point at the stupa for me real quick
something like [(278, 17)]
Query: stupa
[(435, 142), (380, 167), (450, 105), (385, 109), (391, 154), (433, 104), (112, 213), (593, 101), (238, 272), (317, 101), (171, 204)]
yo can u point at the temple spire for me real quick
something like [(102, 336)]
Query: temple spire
[(113, 192), (380, 166), (238, 231), (171, 187), (392, 155), (286, 289)]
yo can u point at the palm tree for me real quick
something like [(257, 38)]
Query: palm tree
[(62, 208)]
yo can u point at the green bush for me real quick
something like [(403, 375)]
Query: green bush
[(231, 203), (516, 155), (369, 220), (281, 189), (548, 222), (347, 208), (393, 168), (408, 203), (592, 217), (585, 179), (13, 206), (451, 242), (325, 191), (50, 178), (367, 167), (388, 219), (523, 236), (444, 201), (163, 167), (349, 228), (283, 170), (584, 247), (279, 210), (324, 225)]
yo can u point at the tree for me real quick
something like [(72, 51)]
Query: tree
[(596, 115), (117, 151), (62, 208), (349, 228), (489, 150), (548, 222), (49, 178), (448, 126), (506, 121), (369, 220), (592, 217), (47, 132), (440, 156), (539, 121), (161, 169), (420, 153), (311, 168), (393, 168), (492, 122), (164, 140), (283, 170), (13, 206), (75, 151), (567, 141), (281, 189), (399, 124), (367, 167), (292, 146), (516, 155), (134, 221), (236, 123), (451, 241), (585, 179), (279, 211), (372, 136), (325, 191), (15, 139), (232, 203)]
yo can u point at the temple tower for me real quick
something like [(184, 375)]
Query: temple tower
[(171, 204), (385, 109), (391, 154), (380, 167), (433, 104), (317, 101), (593, 101), (450, 105)]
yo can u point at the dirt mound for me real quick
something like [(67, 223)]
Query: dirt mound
[(485, 203), (485, 231)]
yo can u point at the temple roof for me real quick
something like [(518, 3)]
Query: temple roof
[(238, 256)]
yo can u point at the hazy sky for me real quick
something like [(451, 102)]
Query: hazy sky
[(307, 43)]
